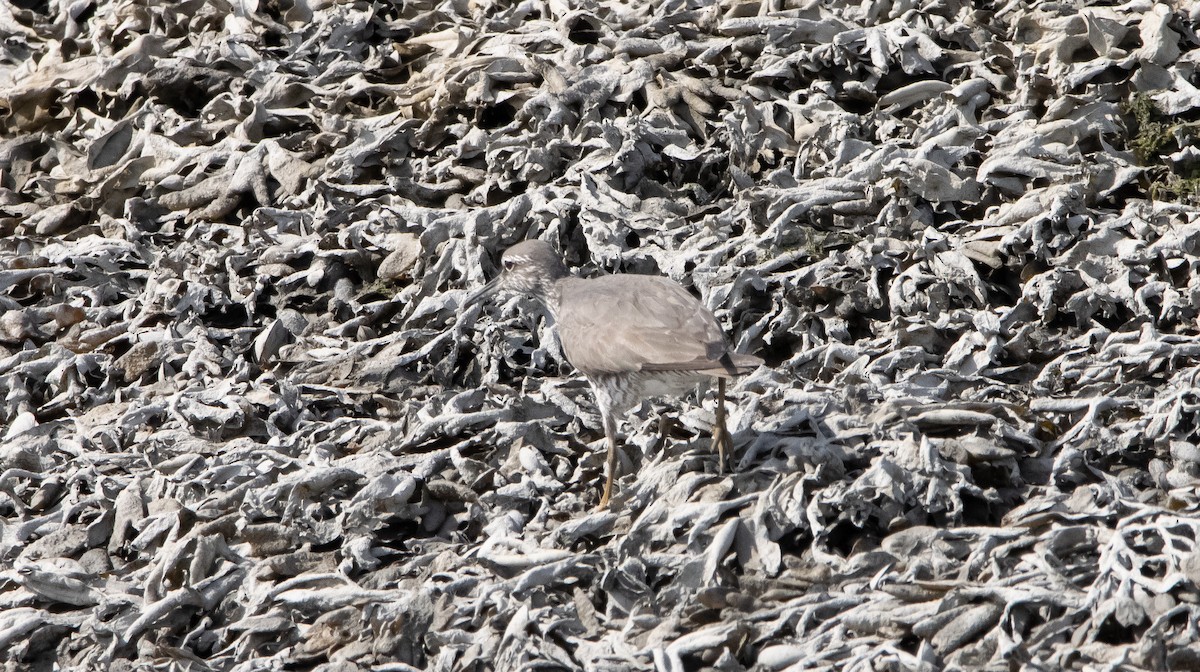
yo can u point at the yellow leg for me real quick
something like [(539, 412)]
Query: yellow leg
[(610, 433), (722, 442)]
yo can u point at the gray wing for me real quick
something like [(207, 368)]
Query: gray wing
[(622, 323)]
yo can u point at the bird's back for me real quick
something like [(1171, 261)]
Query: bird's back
[(625, 323)]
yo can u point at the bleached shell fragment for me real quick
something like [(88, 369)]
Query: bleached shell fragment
[(976, 448), (965, 626), (706, 639), (593, 524), (17, 623), (911, 94), (24, 422), (953, 417), (932, 181), (780, 656), (1159, 42), (526, 560), (721, 544), (1185, 451), (270, 340)]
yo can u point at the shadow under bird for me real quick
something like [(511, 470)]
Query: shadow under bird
[(633, 336)]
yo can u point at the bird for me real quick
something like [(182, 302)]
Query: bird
[(632, 336)]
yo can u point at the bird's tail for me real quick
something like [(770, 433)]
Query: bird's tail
[(734, 364), (727, 365)]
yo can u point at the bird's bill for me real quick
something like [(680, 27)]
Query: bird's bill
[(482, 293)]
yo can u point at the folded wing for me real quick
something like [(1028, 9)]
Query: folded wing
[(622, 323)]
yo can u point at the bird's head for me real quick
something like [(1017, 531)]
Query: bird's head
[(530, 267)]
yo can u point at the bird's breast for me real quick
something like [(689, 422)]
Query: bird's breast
[(619, 392)]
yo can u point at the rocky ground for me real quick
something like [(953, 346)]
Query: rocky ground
[(247, 423)]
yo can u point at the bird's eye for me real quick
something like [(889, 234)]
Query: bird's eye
[(508, 264)]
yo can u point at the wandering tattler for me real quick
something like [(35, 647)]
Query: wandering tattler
[(632, 336)]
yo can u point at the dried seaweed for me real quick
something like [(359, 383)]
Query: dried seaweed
[(246, 421)]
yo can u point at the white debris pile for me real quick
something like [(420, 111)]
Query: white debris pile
[(246, 421)]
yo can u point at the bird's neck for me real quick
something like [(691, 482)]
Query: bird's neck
[(551, 295)]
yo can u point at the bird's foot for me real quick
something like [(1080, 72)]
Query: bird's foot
[(666, 424), (722, 444), (606, 497)]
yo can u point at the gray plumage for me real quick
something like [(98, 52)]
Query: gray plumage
[(632, 336)]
